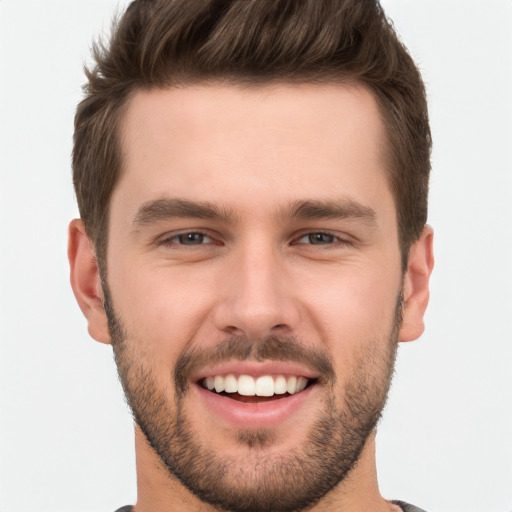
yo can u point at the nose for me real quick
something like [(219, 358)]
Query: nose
[(256, 296)]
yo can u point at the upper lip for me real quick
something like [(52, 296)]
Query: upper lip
[(255, 369)]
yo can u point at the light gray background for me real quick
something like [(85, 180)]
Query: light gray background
[(66, 440)]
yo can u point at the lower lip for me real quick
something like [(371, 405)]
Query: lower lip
[(254, 415)]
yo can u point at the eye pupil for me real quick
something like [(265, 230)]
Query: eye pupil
[(320, 238), (191, 238)]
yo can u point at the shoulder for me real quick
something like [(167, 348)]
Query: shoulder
[(406, 507)]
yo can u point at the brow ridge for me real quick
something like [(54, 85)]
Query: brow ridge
[(163, 209), (166, 208), (331, 210)]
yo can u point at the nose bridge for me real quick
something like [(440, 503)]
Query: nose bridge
[(257, 300)]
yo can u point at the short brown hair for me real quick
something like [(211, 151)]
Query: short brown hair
[(164, 43)]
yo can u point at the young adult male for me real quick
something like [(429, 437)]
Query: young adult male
[(252, 181)]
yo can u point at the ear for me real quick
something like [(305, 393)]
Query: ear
[(416, 282), (85, 281)]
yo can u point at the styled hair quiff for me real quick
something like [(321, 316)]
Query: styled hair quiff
[(166, 43)]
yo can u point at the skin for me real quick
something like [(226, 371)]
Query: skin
[(253, 153)]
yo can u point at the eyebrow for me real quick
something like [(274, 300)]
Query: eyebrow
[(168, 208), (163, 209), (331, 210)]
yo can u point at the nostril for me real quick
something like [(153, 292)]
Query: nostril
[(233, 330)]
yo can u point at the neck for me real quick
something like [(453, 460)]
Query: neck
[(158, 491)]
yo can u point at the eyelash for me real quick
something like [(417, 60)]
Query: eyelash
[(172, 240), (335, 239)]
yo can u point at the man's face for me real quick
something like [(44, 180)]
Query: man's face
[(253, 244)]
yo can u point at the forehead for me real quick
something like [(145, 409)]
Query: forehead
[(253, 147)]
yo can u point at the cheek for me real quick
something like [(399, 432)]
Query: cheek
[(352, 306), (162, 307), (357, 321)]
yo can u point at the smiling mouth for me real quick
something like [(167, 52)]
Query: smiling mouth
[(249, 389)]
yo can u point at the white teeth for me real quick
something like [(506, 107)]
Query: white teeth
[(265, 386), (210, 383), (230, 384), (246, 385), (291, 385), (280, 385), (301, 383), (219, 383)]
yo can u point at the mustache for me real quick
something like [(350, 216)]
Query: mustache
[(241, 348)]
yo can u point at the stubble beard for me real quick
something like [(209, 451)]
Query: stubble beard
[(258, 481)]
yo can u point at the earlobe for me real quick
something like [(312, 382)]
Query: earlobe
[(85, 281), (416, 286)]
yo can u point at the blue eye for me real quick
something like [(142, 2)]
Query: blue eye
[(191, 238), (317, 239)]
